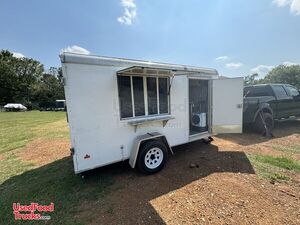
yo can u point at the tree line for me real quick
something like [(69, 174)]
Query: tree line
[(25, 81), (283, 74)]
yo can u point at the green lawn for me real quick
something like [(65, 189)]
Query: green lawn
[(18, 128), (281, 162), (274, 168), (25, 182)]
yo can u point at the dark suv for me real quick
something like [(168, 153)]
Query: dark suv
[(275, 101)]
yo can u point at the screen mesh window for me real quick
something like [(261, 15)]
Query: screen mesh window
[(138, 94), (163, 95), (143, 96), (152, 95), (125, 98)]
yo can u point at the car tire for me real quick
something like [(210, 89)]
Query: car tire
[(259, 126), (152, 157)]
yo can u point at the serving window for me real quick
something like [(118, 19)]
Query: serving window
[(141, 96)]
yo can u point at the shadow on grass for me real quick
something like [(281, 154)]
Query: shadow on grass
[(114, 194), (249, 137), (54, 182)]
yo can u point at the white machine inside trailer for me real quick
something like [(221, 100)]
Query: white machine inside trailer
[(99, 136)]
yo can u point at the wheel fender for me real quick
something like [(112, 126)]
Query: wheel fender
[(265, 107), (141, 139)]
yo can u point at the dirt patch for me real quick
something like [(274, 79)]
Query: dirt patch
[(266, 147), (240, 202), (44, 151), (224, 189)]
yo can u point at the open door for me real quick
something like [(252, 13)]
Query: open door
[(227, 105), (198, 102)]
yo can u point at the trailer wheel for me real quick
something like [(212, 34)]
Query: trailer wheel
[(259, 126), (152, 157)]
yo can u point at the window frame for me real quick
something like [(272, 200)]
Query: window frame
[(145, 96)]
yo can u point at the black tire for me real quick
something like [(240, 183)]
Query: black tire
[(152, 149), (259, 126)]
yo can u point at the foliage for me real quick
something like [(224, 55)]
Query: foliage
[(24, 81), (7, 81), (47, 91), (281, 74), (284, 74), (251, 79)]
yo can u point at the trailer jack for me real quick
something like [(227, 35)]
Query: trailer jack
[(267, 132)]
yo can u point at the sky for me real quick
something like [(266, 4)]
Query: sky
[(237, 38)]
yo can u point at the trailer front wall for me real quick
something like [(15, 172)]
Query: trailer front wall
[(98, 135)]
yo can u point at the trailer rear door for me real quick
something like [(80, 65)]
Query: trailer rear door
[(227, 106)]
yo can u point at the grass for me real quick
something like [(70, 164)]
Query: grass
[(278, 176), (18, 128), (55, 183), (12, 166), (274, 168), (281, 162), (24, 182), (287, 149)]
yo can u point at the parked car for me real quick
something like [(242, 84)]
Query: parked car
[(275, 101)]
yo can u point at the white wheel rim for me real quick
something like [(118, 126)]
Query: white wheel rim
[(153, 158)]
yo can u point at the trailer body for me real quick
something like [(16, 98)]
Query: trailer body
[(115, 104)]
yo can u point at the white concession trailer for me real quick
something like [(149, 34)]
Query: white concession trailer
[(121, 109)]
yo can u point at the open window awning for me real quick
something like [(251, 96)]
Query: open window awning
[(161, 72)]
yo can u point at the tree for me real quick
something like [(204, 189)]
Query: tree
[(57, 72), (60, 75), (19, 75), (7, 84), (23, 80), (47, 91), (251, 79), (284, 74)]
